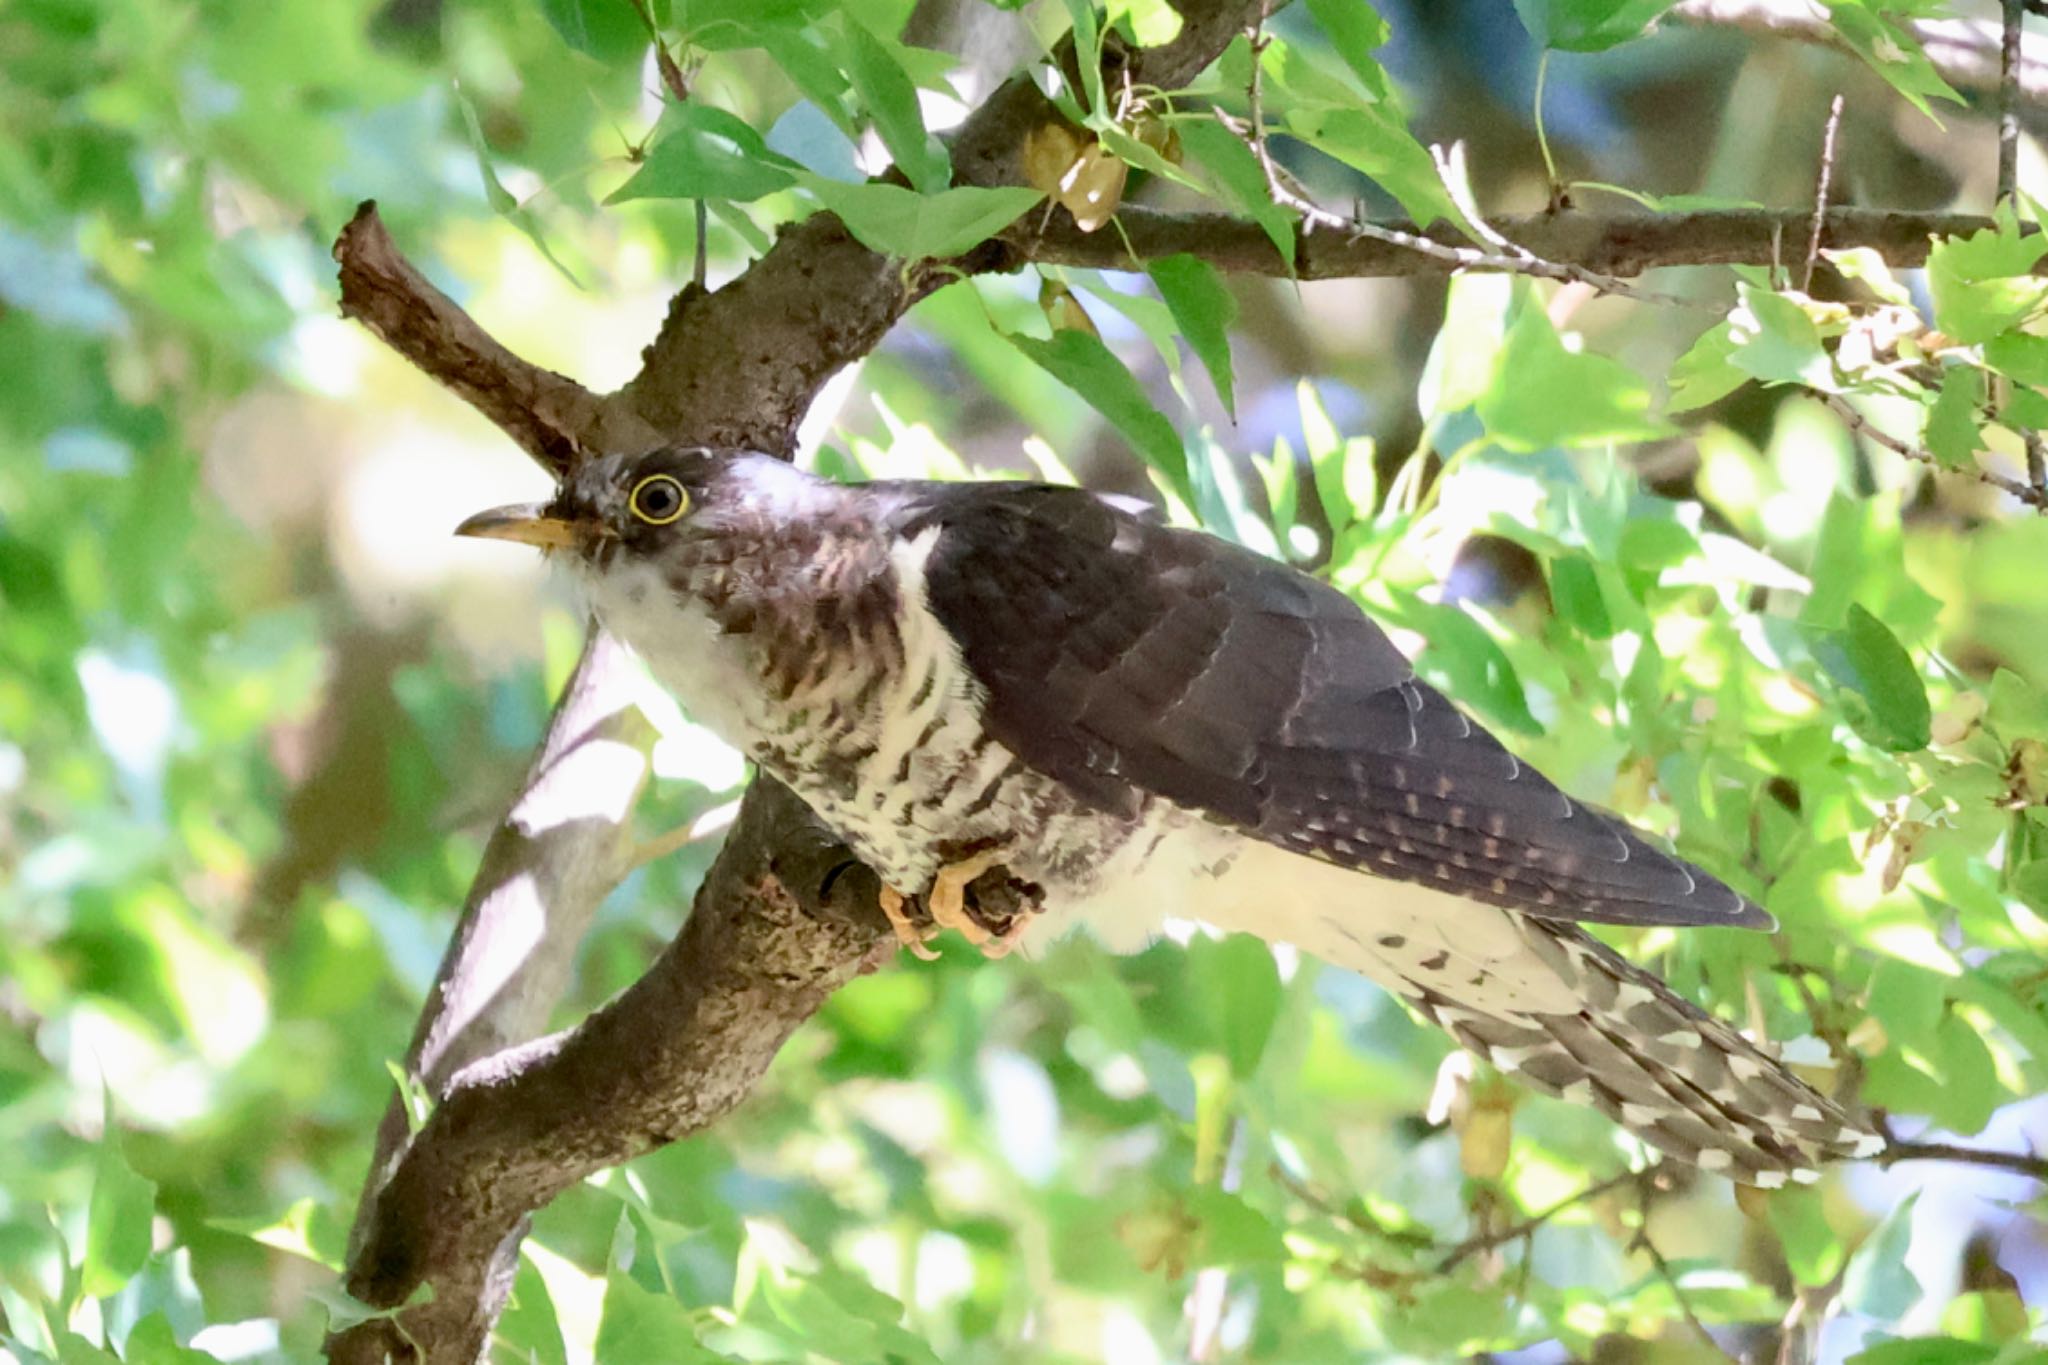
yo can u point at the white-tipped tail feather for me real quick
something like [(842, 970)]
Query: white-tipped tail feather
[(1550, 1004)]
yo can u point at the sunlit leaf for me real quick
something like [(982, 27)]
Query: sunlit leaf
[(890, 96), (700, 152), (1867, 659), (901, 222), (1545, 395), (1205, 310), (117, 1235), (1085, 365)]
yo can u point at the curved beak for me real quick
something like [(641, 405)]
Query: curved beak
[(525, 522)]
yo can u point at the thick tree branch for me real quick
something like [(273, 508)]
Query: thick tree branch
[(551, 417), (1965, 52), (559, 851), (1611, 244), (779, 924)]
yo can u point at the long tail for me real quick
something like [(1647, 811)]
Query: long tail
[(1657, 1064)]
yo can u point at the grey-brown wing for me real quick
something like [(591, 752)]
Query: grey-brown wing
[(1127, 659)]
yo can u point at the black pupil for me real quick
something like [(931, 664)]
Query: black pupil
[(659, 499)]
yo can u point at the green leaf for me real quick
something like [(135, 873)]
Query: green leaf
[(1242, 182), (1707, 372), (501, 200), (1876, 1281), (2019, 355), (1892, 52), (890, 96), (1813, 1253), (604, 29), (1378, 143), (1587, 25), (1981, 283), (1931, 1351), (644, 1328), (705, 153), (901, 222), (1088, 35), (1237, 978), (1465, 356), (1354, 31), (1575, 592), (1233, 1233), (1952, 433), (153, 1342), (1151, 22), (1867, 659), (117, 1225), (1544, 395), (1091, 369), (1204, 308), (1775, 340), (1970, 1090)]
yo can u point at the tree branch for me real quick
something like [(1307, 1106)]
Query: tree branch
[(551, 417), (1964, 52), (1611, 244), (558, 852), (776, 928), (2019, 1163)]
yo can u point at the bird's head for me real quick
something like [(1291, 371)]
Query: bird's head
[(659, 508)]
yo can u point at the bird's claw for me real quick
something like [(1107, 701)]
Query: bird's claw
[(946, 903), (908, 934)]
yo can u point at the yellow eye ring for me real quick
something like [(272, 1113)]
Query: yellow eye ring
[(659, 499)]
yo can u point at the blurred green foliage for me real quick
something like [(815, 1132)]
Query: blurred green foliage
[(255, 721)]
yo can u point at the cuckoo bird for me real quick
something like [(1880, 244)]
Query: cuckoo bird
[(1130, 722)]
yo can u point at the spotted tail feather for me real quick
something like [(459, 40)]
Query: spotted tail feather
[(1675, 1076)]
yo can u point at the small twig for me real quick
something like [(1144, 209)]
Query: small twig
[(1643, 1243), (700, 261), (2032, 496), (2037, 460), (2009, 101), (1528, 262), (1357, 1218), (2019, 1163), (1820, 193), (1643, 1179)]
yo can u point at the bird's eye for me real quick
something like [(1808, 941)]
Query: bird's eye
[(658, 500)]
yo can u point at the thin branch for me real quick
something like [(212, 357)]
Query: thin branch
[(2032, 496), (1648, 1247), (1329, 246), (1820, 193), (2009, 99), (1964, 52), (1498, 1237), (1526, 261), (2019, 1163)]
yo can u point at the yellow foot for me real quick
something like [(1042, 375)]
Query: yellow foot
[(948, 904), (906, 932)]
